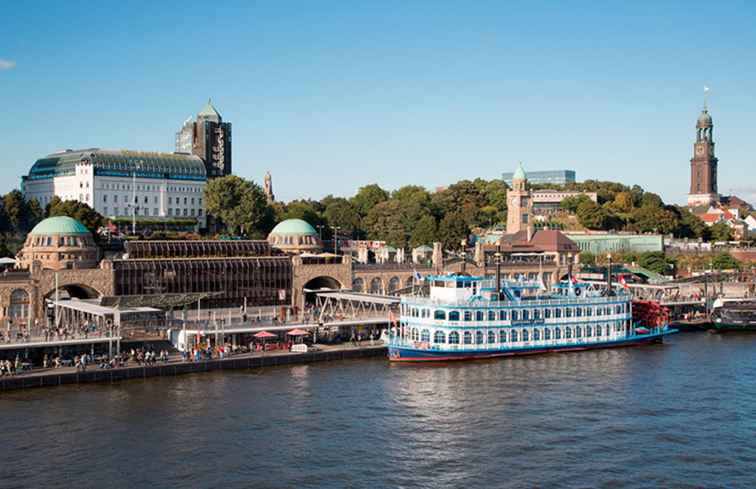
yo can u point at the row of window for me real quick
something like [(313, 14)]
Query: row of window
[(145, 211), (155, 199), (512, 335), (519, 314), (151, 188)]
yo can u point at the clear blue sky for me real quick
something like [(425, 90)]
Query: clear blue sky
[(330, 96)]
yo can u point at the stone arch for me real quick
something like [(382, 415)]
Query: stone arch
[(394, 284), (358, 285), (322, 282), (20, 304), (409, 282), (376, 286), (74, 290)]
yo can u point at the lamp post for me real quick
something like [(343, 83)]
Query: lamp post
[(335, 239), (609, 274)]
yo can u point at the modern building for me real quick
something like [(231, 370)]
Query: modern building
[(703, 165), (209, 138), (557, 177), (600, 243), (121, 183), (546, 202)]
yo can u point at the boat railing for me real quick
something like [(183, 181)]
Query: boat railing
[(562, 301)]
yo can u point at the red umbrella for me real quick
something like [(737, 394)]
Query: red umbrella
[(297, 332), (264, 334)]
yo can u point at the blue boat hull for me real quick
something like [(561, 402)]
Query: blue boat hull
[(405, 354)]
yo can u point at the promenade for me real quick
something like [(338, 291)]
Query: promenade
[(176, 366)]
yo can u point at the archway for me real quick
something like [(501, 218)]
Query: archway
[(394, 285), (74, 291), (19, 304), (376, 286), (318, 284), (358, 285)]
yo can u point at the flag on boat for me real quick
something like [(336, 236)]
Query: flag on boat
[(623, 282), (417, 276)]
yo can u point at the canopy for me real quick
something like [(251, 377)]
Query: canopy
[(297, 332), (264, 334)]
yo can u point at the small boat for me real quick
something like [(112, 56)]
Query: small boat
[(471, 317), (733, 315)]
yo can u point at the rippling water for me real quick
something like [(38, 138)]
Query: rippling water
[(681, 414)]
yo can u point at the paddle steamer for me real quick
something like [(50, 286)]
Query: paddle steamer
[(467, 317)]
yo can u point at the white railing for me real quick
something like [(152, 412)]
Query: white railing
[(484, 303)]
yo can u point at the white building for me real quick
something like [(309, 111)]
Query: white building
[(119, 183)]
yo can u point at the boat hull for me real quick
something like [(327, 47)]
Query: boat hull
[(405, 354)]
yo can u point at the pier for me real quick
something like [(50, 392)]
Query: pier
[(175, 366)]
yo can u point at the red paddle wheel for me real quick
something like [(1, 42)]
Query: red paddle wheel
[(650, 314)]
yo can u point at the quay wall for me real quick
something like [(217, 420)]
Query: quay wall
[(95, 375)]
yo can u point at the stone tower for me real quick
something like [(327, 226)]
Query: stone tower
[(703, 165), (268, 188), (519, 205)]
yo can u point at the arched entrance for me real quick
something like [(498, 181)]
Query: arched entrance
[(71, 291), (318, 284), (358, 285), (376, 286), (20, 303)]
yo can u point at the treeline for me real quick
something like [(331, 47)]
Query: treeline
[(18, 217)]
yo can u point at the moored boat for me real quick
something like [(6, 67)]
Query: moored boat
[(470, 317), (734, 315)]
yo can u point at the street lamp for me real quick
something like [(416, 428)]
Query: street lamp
[(335, 239)]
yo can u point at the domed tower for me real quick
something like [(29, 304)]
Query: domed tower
[(295, 236), (519, 204), (59, 243), (703, 165)]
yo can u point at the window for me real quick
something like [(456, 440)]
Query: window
[(503, 336), (414, 334), (170, 200), (115, 199), (579, 312), (578, 332), (468, 316), (525, 335), (537, 314), (492, 315), (439, 338), (513, 336), (105, 198), (547, 334), (491, 337), (588, 332), (525, 315), (598, 330), (557, 334), (479, 315), (568, 332), (536, 335), (568, 312), (589, 311), (453, 315), (468, 338), (453, 338), (439, 314), (425, 336), (155, 211), (502, 315), (479, 337), (515, 316), (105, 210), (546, 313), (557, 313)]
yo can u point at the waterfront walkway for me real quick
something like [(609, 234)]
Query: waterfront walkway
[(41, 377)]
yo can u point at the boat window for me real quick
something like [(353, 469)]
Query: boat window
[(414, 334), (479, 315), (546, 313), (439, 337), (413, 312), (491, 337), (567, 332), (598, 330), (468, 338), (536, 335), (536, 314), (588, 331), (439, 314), (589, 311), (492, 315), (547, 334), (524, 335), (557, 313), (503, 315), (525, 314), (515, 315), (425, 336), (568, 312), (503, 336), (557, 334), (454, 338), (619, 309), (479, 337), (579, 312), (468, 316), (453, 315), (578, 332), (513, 336)]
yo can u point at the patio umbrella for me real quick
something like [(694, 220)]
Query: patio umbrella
[(264, 335), (297, 332)]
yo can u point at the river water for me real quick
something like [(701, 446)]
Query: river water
[(682, 414)]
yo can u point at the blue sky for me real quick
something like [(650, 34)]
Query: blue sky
[(330, 96)]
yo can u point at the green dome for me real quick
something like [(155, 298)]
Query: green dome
[(294, 227), (59, 225), (519, 174)]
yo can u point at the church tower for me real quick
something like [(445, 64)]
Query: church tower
[(520, 205), (703, 165), (268, 188)]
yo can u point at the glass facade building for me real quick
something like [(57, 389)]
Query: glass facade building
[(559, 177)]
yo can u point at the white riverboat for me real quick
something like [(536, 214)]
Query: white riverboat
[(468, 317)]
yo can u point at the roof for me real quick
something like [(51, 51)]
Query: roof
[(423, 249), (209, 112), (59, 225), (519, 174), (704, 120), (552, 240), (294, 227), (710, 217), (145, 164)]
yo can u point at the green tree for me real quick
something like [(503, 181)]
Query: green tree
[(307, 210), (690, 225), (657, 262), (453, 229), (591, 215), (425, 232), (80, 211), (368, 197), (720, 232), (725, 261), (240, 204), (571, 204), (340, 212), (384, 222), (587, 258)]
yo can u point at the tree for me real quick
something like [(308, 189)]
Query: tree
[(425, 232), (340, 212), (80, 211), (725, 261), (453, 229), (240, 204), (384, 222), (368, 197), (591, 215), (720, 231), (587, 258), (656, 261), (307, 210), (690, 225), (623, 202), (571, 204)]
